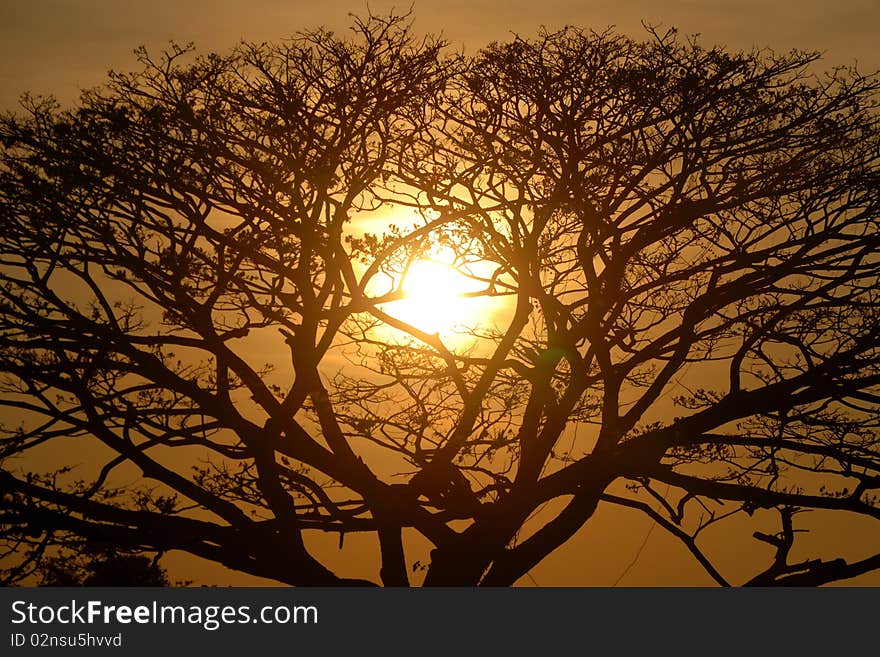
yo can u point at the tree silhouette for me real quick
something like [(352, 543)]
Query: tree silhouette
[(200, 344), (100, 566)]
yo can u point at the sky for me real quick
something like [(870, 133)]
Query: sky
[(60, 47)]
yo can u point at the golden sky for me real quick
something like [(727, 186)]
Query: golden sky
[(61, 46)]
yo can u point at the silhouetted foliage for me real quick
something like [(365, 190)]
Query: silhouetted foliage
[(198, 340), (101, 568)]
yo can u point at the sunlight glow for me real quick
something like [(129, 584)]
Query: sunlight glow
[(442, 291), (436, 297)]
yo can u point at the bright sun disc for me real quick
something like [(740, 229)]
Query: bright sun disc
[(435, 298)]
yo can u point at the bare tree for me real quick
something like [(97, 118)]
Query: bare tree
[(201, 343)]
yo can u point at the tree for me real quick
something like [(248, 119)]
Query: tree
[(657, 222), (102, 566)]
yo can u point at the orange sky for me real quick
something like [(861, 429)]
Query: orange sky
[(60, 46)]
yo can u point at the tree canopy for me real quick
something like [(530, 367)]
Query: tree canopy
[(98, 566), (672, 251)]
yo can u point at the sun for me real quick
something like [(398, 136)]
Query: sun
[(439, 297), (445, 292)]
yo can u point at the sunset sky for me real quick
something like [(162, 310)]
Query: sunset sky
[(60, 47)]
